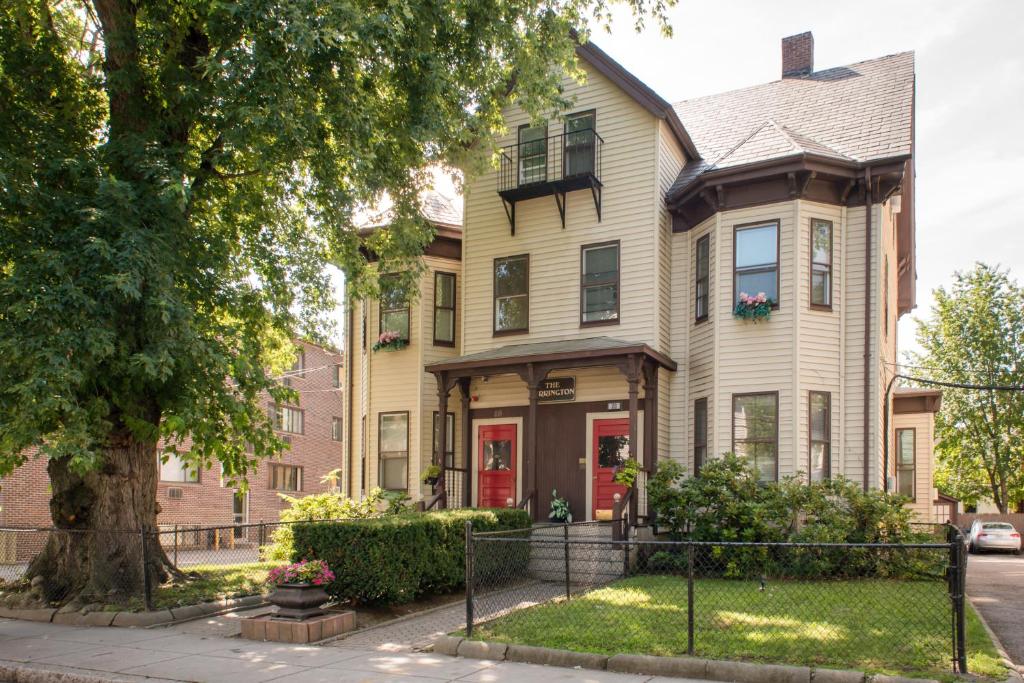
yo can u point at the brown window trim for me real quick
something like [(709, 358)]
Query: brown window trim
[(618, 283), (450, 444), (299, 478), (778, 256), (275, 406), (495, 332), (362, 305), (831, 265), (519, 153), (381, 311), (700, 405), (698, 318), (775, 394), (455, 282), (828, 432), (896, 464), (380, 458)]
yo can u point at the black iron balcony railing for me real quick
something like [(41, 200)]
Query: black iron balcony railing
[(552, 165)]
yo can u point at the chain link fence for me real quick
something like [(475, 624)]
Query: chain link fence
[(218, 553), (576, 587)]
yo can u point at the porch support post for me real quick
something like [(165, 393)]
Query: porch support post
[(467, 443), (632, 372), (444, 385), (651, 424), (533, 376)]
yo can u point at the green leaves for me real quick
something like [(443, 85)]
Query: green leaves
[(975, 335)]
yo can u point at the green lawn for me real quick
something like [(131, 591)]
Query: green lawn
[(214, 582), (883, 626)]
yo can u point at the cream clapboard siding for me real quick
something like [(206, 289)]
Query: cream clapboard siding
[(592, 384), (819, 347), (885, 321), (671, 159), (630, 183), (757, 357), (428, 402), (925, 492), (396, 382), (853, 356), (693, 343)]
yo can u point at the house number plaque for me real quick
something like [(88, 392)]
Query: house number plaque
[(557, 389)]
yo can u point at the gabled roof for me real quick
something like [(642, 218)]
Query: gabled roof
[(639, 91), (439, 210), (851, 114)]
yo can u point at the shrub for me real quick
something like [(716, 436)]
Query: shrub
[(728, 503), (398, 558), (327, 506)]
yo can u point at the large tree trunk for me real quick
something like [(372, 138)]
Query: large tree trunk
[(103, 518)]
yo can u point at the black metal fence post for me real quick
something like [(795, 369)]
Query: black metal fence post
[(147, 587), (175, 546), (957, 590), (689, 599), (565, 545), (469, 579)]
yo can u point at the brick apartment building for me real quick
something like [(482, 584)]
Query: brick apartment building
[(313, 427)]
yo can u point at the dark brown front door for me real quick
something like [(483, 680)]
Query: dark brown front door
[(561, 458), (497, 465)]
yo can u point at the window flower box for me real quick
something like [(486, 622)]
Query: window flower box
[(753, 307), (390, 341)]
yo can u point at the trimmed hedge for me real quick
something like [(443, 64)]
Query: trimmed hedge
[(396, 559)]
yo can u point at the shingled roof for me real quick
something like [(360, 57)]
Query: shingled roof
[(855, 114)]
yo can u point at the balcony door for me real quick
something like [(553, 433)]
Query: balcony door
[(497, 465), (579, 144), (610, 450)]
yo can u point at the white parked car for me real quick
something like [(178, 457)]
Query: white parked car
[(993, 536)]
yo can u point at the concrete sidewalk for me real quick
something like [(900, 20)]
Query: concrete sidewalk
[(35, 652)]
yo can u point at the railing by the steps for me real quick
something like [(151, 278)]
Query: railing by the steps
[(527, 501)]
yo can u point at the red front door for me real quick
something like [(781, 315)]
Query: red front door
[(497, 465), (610, 450)]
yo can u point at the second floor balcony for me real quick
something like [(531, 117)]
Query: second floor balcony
[(540, 165)]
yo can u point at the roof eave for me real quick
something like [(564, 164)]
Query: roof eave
[(639, 91)]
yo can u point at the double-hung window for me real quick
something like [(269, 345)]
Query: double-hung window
[(700, 434), (449, 439), (756, 261), (819, 419), (755, 432), (906, 463), (579, 144), (821, 264), (533, 154), (336, 375), (336, 429), (393, 449), (394, 308), (512, 294), (444, 309), (599, 284), (702, 283)]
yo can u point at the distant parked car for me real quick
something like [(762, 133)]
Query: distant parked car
[(993, 536)]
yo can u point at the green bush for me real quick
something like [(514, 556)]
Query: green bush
[(727, 503), (396, 559), (326, 506)]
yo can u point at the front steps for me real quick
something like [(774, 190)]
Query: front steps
[(588, 565)]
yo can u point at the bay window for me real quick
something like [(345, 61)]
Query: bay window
[(756, 261)]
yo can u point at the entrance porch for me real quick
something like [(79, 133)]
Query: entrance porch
[(548, 430)]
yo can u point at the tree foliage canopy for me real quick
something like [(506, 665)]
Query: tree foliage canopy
[(975, 335), (176, 175)]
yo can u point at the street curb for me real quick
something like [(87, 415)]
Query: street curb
[(26, 672), (159, 617), (1014, 675), (385, 624), (651, 665)]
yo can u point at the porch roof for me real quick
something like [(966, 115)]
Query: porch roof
[(575, 351)]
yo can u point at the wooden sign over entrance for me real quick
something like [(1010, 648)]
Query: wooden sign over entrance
[(557, 389)]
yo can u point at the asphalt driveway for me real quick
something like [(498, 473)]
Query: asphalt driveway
[(995, 585)]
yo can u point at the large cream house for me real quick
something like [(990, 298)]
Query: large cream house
[(585, 310)]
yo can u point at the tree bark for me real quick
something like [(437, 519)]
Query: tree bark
[(102, 518)]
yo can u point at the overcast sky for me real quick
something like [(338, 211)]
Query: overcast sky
[(970, 101)]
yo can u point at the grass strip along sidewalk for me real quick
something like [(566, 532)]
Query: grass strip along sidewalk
[(874, 625)]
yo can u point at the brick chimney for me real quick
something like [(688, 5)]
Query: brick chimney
[(798, 55)]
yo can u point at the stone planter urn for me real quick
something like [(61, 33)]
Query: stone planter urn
[(298, 601)]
